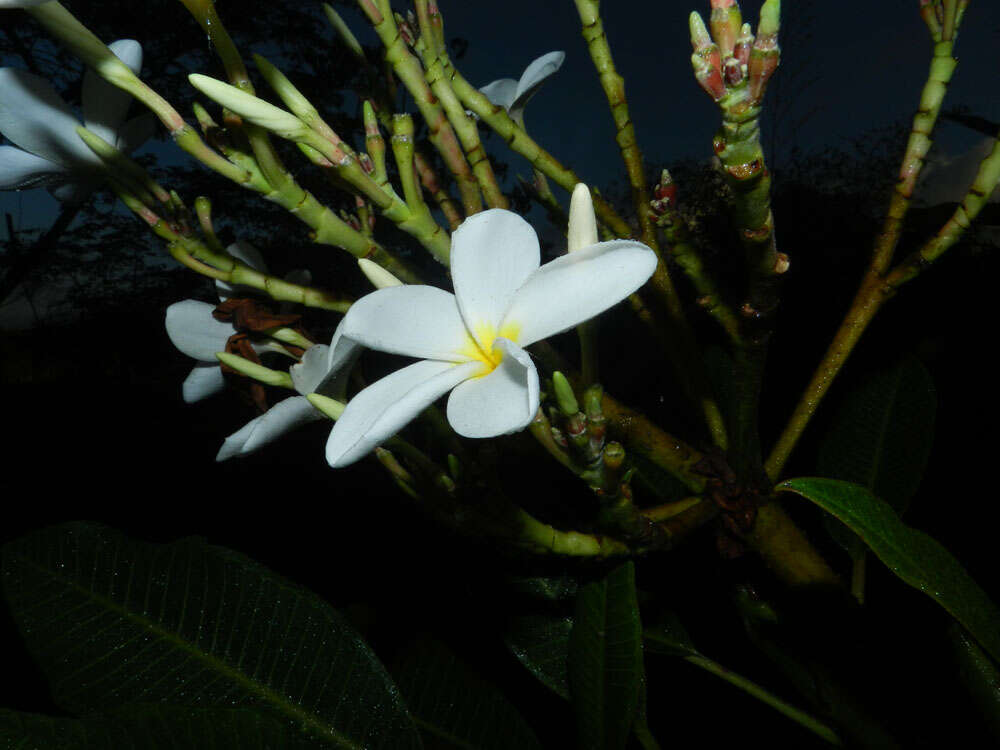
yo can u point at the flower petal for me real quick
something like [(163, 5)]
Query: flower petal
[(387, 405), (492, 254), (310, 372), (34, 117), (283, 417), (245, 252), (77, 190), (576, 287), (502, 402), (534, 76), (203, 381), (412, 320), (20, 170), (194, 331), (342, 353), (104, 105), (135, 132), (501, 92)]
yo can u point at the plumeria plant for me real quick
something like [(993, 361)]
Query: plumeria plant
[(193, 645)]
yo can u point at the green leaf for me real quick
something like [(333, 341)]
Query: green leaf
[(881, 438), (668, 637), (114, 621), (605, 659), (980, 675), (540, 642), (911, 554), (882, 434), (454, 707), (149, 726)]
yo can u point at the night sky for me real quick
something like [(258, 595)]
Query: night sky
[(846, 71)]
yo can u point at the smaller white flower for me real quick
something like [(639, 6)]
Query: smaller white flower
[(514, 95), (47, 150), (471, 343), (194, 331)]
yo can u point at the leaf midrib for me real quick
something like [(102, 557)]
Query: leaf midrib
[(271, 696)]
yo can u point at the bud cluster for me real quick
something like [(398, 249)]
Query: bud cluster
[(729, 62)]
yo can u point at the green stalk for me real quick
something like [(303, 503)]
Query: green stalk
[(408, 68), (465, 128), (82, 43), (686, 256), (879, 284), (520, 142), (614, 89), (738, 92), (285, 190), (420, 214), (752, 688)]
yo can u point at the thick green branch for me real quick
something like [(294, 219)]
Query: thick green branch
[(614, 89)]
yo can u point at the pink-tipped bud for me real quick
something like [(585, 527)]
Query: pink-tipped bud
[(709, 76), (763, 63), (665, 190), (733, 72), (351, 220), (741, 50), (700, 37), (405, 30), (725, 23)]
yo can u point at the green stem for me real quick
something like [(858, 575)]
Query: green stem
[(752, 688), (858, 577), (520, 142), (435, 63), (878, 285), (614, 89), (941, 69), (410, 72)]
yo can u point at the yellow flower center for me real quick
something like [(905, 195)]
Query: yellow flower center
[(487, 352)]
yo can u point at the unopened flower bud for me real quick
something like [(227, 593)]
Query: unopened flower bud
[(249, 107), (378, 276), (564, 394), (582, 231)]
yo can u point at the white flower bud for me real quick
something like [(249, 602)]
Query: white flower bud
[(378, 276), (582, 221), (250, 108)]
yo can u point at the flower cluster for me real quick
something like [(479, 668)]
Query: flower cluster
[(470, 343)]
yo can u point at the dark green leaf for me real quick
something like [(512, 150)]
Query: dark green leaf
[(549, 588), (667, 637), (605, 659), (541, 643), (454, 707), (151, 726), (980, 675), (113, 621), (882, 434), (911, 554)]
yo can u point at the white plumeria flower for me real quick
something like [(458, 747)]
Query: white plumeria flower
[(471, 343), (47, 150), (514, 95), (194, 330)]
